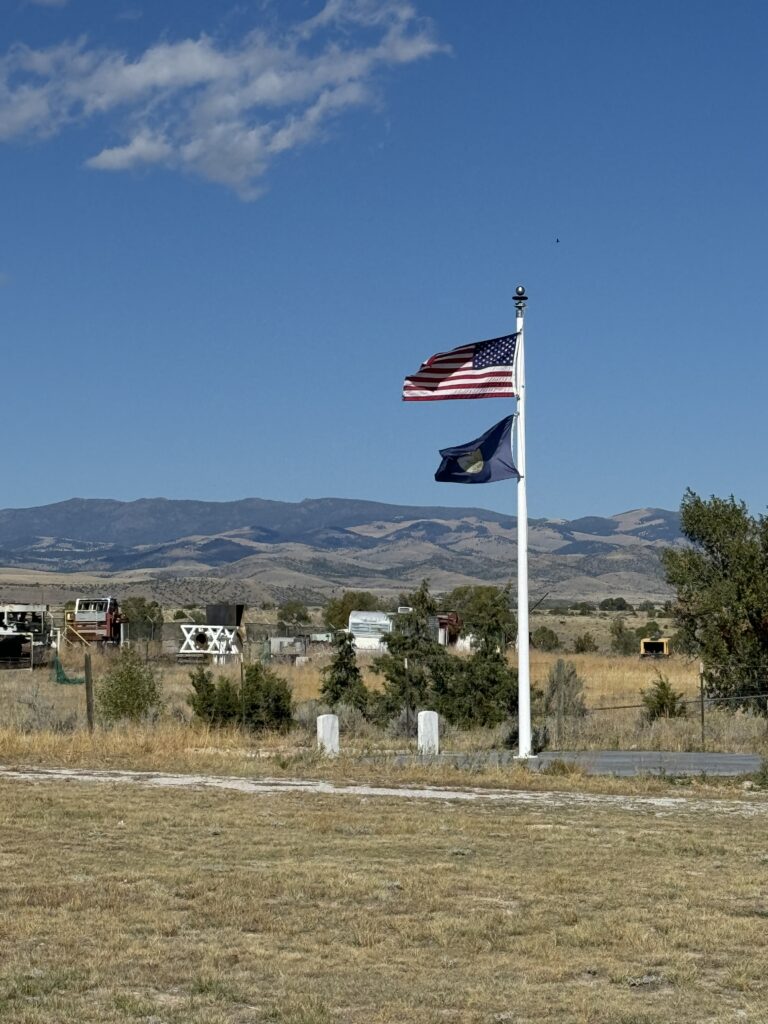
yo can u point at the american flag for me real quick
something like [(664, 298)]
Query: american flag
[(485, 369)]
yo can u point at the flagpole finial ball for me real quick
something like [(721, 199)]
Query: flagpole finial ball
[(520, 291)]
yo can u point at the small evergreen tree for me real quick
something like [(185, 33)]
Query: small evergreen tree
[(342, 679), (479, 691), (263, 701), (129, 690), (266, 700), (661, 701)]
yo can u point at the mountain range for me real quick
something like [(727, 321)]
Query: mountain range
[(256, 549)]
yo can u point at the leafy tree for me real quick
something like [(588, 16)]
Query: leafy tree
[(336, 612), (485, 613), (342, 679), (647, 606), (721, 580), (145, 618), (584, 643), (615, 604), (623, 639), (545, 639), (661, 701), (130, 689), (293, 612)]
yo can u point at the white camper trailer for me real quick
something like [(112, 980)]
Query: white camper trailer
[(368, 628)]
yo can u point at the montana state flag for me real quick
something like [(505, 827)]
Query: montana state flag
[(481, 461)]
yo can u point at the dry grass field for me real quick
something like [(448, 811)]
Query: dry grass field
[(123, 904), (44, 722)]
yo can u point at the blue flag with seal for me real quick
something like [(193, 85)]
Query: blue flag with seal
[(482, 461)]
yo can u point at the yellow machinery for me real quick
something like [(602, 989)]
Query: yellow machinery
[(654, 647)]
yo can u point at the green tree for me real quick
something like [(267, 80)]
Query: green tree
[(342, 679), (293, 612), (130, 689), (266, 700), (145, 618), (414, 665), (545, 639), (485, 613), (721, 580), (336, 612), (217, 703), (477, 691), (615, 604), (661, 701), (623, 639), (584, 608)]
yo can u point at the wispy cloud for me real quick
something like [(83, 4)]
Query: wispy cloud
[(224, 112)]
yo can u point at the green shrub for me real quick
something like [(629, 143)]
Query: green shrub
[(661, 701), (623, 639), (263, 701), (545, 639), (481, 691), (216, 703), (266, 700), (130, 690), (585, 643)]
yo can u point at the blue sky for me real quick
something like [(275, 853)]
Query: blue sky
[(227, 231)]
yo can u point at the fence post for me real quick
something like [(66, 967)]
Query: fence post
[(89, 692), (701, 699)]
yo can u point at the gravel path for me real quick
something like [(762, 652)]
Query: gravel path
[(750, 805)]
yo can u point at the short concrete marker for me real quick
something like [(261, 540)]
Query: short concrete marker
[(429, 740), (328, 734)]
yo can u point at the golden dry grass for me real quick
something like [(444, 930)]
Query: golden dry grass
[(122, 904), (43, 722)]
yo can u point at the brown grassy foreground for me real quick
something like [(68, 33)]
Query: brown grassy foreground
[(122, 904)]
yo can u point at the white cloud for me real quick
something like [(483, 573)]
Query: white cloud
[(223, 112)]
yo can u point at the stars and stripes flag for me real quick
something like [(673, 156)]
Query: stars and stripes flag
[(485, 369)]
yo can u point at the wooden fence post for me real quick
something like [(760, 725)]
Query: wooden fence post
[(89, 692)]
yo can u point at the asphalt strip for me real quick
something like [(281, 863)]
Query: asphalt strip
[(749, 806)]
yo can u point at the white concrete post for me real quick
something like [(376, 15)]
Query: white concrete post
[(429, 740), (328, 734)]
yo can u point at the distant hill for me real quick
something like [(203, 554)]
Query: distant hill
[(255, 548)]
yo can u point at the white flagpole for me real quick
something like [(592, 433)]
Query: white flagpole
[(523, 658)]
